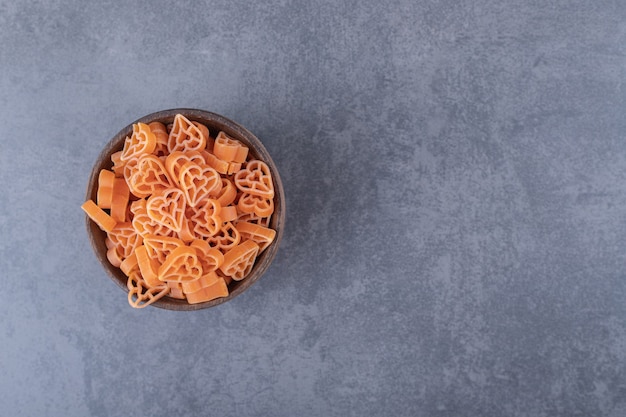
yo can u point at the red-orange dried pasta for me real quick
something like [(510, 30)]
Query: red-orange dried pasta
[(185, 214)]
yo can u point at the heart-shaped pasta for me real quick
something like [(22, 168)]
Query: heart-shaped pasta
[(255, 179), (159, 247), (167, 208), (250, 203), (185, 136), (141, 142), (175, 161), (199, 182), (210, 258), (206, 220), (238, 261), (182, 265), (143, 224), (226, 238), (149, 177), (140, 294), (124, 239)]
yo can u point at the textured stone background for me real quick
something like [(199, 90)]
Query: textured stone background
[(456, 208)]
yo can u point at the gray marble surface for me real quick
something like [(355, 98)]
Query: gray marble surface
[(455, 180)]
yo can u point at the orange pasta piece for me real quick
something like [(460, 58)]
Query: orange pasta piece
[(186, 233), (238, 261), (167, 208), (118, 165), (210, 142), (198, 182), (182, 265), (203, 129), (130, 168), (128, 216), (217, 164), (226, 278), (119, 202), (114, 257), (124, 238), (263, 236), (227, 194), (141, 142), (227, 238), (175, 161), (250, 203), (201, 245), (229, 149), (207, 221), (191, 286), (225, 148), (105, 188), (140, 294), (148, 266), (242, 154), (234, 167), (229, 213), (159, 247), (120, 187), (138, 206), (160, 132), (212, 292), (210, 258), (129, 264), (204, 281), (255, 179), (185, 136), (149, 177), (253, 218), (176, 290), (143, 224), (95, 213)]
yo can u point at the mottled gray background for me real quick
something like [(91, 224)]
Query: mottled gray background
[(456, 229)]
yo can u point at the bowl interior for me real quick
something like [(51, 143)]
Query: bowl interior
[(215, 123)]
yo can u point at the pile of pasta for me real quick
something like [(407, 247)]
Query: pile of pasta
[(185, 213)]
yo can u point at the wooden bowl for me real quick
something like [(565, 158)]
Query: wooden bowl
[(215, 123)]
